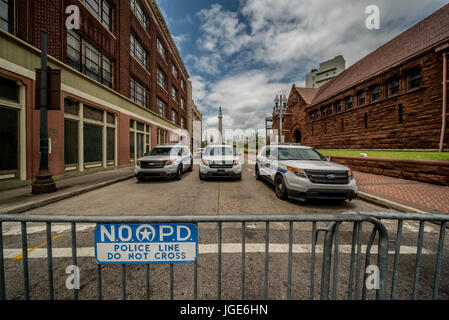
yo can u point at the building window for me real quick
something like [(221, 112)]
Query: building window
[(7, 15), (330, 110), (162, 136), (400, 114), (311, 115), (174, 93), (85, 57), (140, 13), (161, 107), (139, 93), (183, 85), (393, 86), (161, 78), (339, 106), (362, 98), (183, 123), (138, 51), (102, 9), (375, 93), (183, 103), (349, 102), (414, 78), (174, 116), (317, 115), (161, 49), (365, 118), (323, 113), (174, 71)]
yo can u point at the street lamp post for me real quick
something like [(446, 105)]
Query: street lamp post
[(281, 103), (44, 182)]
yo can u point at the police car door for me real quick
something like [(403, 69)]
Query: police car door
[(185, 157), (273, 163), (263, 161)]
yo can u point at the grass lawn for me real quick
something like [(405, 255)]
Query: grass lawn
[(443, 156)]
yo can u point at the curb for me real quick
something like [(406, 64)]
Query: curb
[(388, 203), (69, 194)]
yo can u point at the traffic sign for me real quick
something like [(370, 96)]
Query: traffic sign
[(146, 243)]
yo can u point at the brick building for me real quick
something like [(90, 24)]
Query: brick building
[(123, 84), (390, 99)]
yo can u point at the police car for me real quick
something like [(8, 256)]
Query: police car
[(302, 173), (220, 161), (164, 161)]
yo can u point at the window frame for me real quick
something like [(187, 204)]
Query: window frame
[(142, 16), (375, 92), (161, 74), (390, 87), (161, 49), (135, 94), (10, 18), (411, 78), (102, 12), (81, 66), (349, 102), (161, 107), (135, 46), (361, 95)]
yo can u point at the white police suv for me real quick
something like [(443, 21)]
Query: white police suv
[(302, 173), (164, 161), (220, 161)]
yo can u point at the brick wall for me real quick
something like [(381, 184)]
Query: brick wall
[(435, 172)]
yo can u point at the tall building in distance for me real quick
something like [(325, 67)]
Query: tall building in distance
[(220, 126), (123, 84), (328, 70)]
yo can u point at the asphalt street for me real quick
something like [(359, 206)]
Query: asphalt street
[(190, 196)]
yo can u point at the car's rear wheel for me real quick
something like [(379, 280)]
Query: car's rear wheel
[(280, 188), (191, 166)]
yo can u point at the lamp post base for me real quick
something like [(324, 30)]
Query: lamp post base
[(44, 183)]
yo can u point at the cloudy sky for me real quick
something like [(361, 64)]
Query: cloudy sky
[(241, 53)]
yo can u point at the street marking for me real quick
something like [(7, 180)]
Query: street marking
[(20, 256), (15, 229), (229, 248)]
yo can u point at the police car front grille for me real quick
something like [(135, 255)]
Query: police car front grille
[(327, 177), (152, 164), (221, 166)]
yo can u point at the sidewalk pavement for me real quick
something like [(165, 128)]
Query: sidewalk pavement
[(404, 195), (20, 200)]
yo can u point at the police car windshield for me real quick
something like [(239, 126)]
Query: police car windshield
[(162, 151), (300, 154), (221, 151)]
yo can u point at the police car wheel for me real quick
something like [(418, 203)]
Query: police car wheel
[(179, 173), (279, 187), (257, 173)]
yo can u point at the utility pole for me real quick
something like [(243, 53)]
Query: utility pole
[(44, 180)]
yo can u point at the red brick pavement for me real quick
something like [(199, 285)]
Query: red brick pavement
[(422, 196)]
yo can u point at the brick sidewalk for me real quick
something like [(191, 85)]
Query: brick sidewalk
[(422, 196)]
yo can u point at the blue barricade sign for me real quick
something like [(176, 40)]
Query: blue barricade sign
[(146, 243)]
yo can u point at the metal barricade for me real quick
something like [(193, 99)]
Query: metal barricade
[(395, 245), (329, 225)]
